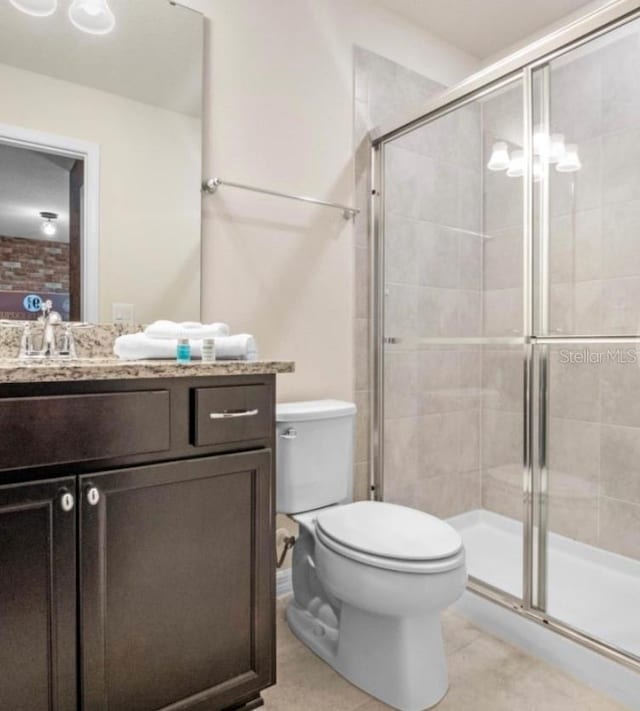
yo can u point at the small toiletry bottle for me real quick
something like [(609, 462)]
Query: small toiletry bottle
[(208, 350), (183, 352)]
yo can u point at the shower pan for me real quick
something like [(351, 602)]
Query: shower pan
[(506, 225)]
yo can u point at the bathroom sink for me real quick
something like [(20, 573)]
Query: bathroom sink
[(42, 357)]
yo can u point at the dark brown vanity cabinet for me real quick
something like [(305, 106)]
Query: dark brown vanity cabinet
[(38, 596), (164, 619), (145, 586)]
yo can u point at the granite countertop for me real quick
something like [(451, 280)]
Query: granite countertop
[(15, 370)]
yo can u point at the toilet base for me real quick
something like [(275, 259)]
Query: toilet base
[(398, 660)]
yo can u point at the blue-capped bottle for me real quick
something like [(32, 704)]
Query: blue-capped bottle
[(183, 351)]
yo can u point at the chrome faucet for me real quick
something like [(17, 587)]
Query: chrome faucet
[(49, 321)]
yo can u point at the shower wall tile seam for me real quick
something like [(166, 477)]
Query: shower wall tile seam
[(445, 225), (413, 285), (627, 502)]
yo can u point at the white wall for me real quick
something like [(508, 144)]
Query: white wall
[(149, 188), (280, 115)]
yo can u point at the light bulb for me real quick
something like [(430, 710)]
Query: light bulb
[(37, 8), (92, 16), (499, 156), (556, 147), (540, 142), (516, 165), (91, 7), (49, 229), (49, 225), (537, 169), (570, 161)]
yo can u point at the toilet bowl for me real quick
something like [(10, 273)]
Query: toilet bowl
[(370, 579)]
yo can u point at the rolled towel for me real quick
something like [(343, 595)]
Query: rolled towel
[(242, 346), (187, 329), (138, 346)]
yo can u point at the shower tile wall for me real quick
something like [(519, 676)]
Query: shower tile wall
[(433, 270), (453, 422), (594, 271), (594, 448), (502, 366), (384, 91), (594, 481)]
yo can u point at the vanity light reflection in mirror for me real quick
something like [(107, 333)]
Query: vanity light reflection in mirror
[(92, 16), (550, 149), (37, 8)]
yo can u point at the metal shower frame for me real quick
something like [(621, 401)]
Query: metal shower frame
[(517, 67)]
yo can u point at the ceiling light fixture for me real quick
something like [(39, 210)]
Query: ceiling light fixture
[(499, 156), (37, 8), (49, 225), (92, 16)]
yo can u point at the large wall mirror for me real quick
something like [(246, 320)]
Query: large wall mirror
[(100, 159)]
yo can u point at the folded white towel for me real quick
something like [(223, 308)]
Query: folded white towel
[(138, 346), (186, 329), (241, 346)]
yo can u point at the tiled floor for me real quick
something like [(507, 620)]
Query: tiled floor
[(485, 675)]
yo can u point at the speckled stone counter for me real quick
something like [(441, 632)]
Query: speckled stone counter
[(94, 347), (13, 370), (92, 340)]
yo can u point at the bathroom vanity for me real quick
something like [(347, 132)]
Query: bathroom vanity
[(136, 535)]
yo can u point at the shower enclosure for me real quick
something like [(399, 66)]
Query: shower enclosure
[(507, 326)]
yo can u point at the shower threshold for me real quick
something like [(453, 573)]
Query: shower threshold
[(592, 590)]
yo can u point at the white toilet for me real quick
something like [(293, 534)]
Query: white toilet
[(369, 578)]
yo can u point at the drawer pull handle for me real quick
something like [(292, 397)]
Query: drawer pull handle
[(93, 495), (67, 501), (228, 414)]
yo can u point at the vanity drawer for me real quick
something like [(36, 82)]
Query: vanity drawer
[(38, 431), (232, 414)]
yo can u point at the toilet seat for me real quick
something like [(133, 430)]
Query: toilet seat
[(424, 567), (391, 537)]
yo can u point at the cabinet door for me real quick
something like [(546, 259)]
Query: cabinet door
[(177, 584), (38, 596)]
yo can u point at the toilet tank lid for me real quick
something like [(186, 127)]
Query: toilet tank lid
[(313, 410)]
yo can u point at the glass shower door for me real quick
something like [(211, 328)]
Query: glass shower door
[(587, 146), (454, 351)]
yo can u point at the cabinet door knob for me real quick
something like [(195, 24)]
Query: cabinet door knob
[(67, 501), (93, 495)]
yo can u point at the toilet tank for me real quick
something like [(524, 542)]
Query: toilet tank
[(314, 456)]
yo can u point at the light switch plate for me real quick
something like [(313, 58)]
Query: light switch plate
[(122, 313)]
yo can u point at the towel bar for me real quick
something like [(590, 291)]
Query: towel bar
[(212, 184)]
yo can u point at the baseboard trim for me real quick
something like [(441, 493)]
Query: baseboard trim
[(284, 585)]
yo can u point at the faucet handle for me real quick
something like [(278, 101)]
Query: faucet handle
[(26, 342), (68, 347)]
